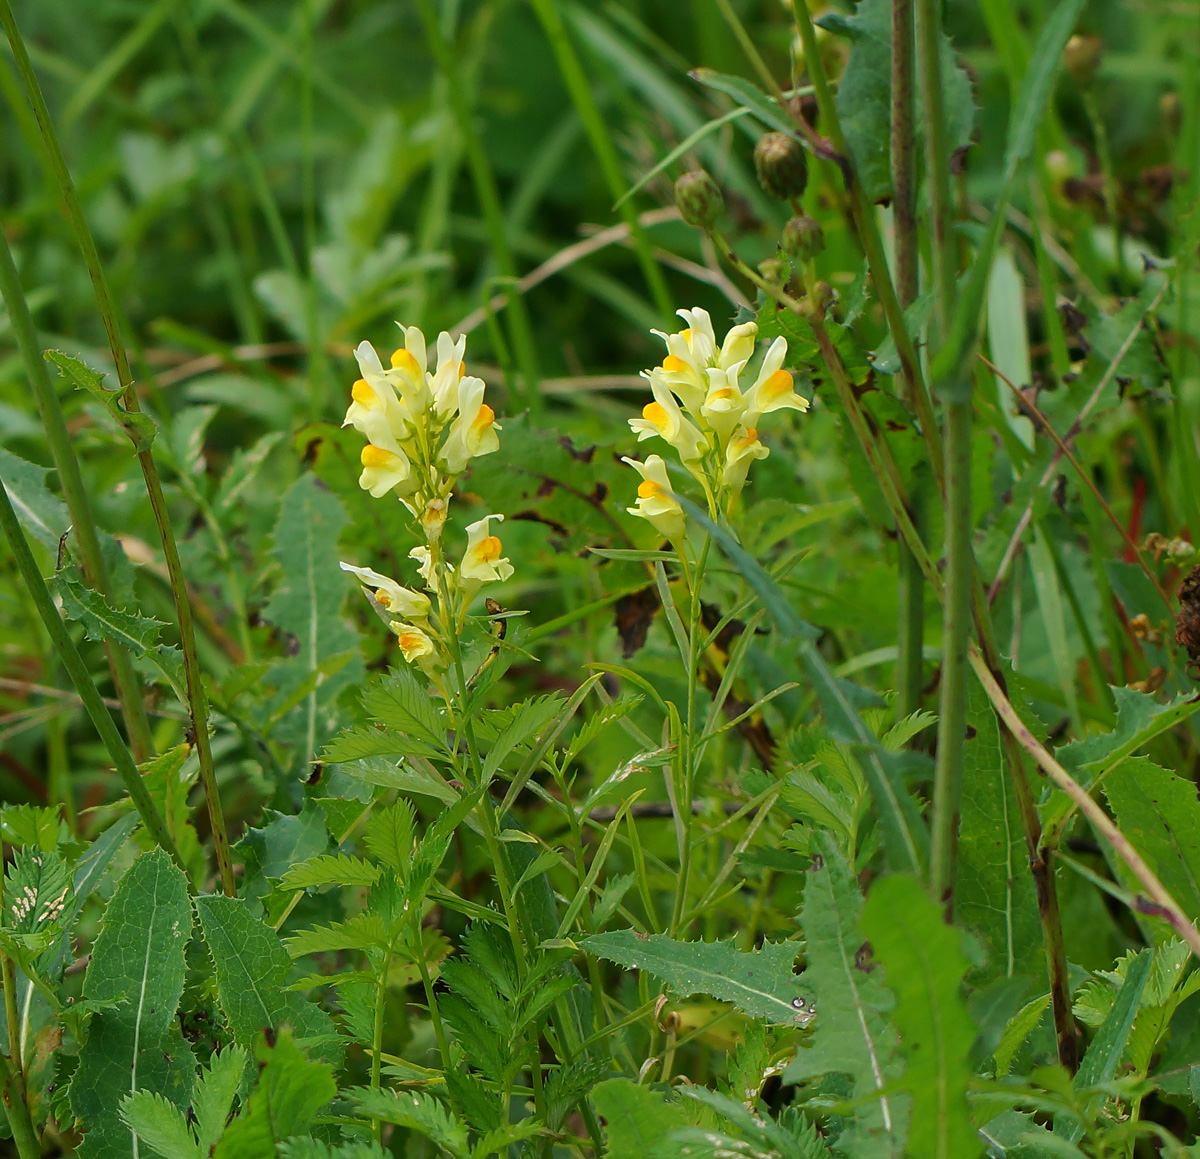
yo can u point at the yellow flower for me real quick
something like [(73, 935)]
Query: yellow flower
[(408, 370), (743, 449), (473, 432), (664, 419), (424, 558), (656, 501), (774, 388), (390, 595), (724, 404), (375, 410), (414, 643), (482, 562), (383, 470), (443, 385)]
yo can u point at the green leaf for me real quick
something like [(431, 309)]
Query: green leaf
[(140, 428), (137, 958), (330, 869), (315, 1149), (761, 983), (924, 964), (637, 1119), (215, 1090), (307, 607), (864, 94), (904, 835), (994, 894), (42, 514), (527, 721), (398, 702), (1140, 718), (101, 621), (290, 1092), (389, 836), (161, 1125), (39, 826), (364, 931), (1160, 815), (417, 1112), (251, 969), (36, 884), (1018, 1030), (749, 96), (851, 1035)]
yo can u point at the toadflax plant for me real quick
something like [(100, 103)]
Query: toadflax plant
[(695, 836)]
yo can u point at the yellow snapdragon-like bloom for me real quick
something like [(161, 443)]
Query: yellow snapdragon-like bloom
[(415, 643), (473, 431), (656, 501), (443, 384), (391, 596), (383, 470), (724, 404), (482, 562), (743, 449), (774, 388), (662, 418)]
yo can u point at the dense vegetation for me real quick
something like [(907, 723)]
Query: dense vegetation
[(557, 727)]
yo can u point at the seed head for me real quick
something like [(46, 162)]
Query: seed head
[(803, 239), (699, 199), (782, 166)]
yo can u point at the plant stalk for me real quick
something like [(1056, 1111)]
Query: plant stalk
[(17, 1110), (125, 680), (81, 678), (197, 703), (910, 628)]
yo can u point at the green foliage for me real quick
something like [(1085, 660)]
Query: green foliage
[(587, 876), (137, 962), (761, 983), (924, 963), (250, 965)]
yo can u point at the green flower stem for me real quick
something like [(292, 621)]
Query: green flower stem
[(377, 1030), (17, 1110), (489, 202), (910, 628), (197, 704), (602, 145), (868, 235), (81, 678), (125, 680)]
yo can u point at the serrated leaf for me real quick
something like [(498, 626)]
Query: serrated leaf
[(528, 721), (761, 983), (251, 968), (161, 1125), (399, 702), (389, 836), (749, 96), (213, 1097), (330, 869), (138, 957), (290, 1092), (140, 428), (364, 931), (1160, 814), (314, 1149), (924, 964), (39, 826), (994, 894), (1019, 1028), (36, 888), (416, 1112), (851, 1035)]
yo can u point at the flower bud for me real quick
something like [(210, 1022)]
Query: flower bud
[(802, 239), (774, 271), (781, 164), (1081, 57), (820, 299), (1170, 108), (699, 199)]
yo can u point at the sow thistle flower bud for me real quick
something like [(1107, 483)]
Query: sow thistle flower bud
[(781, 165), (803, 239), (699, 199)]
